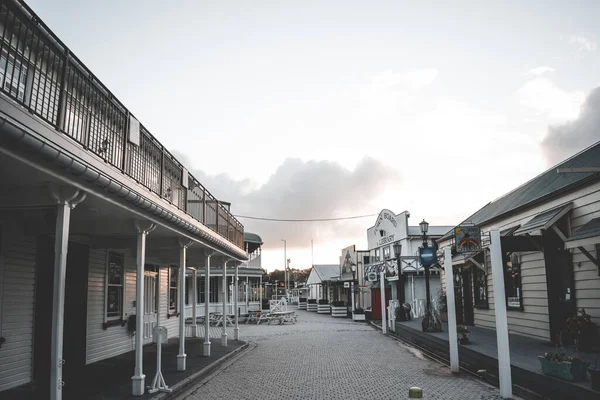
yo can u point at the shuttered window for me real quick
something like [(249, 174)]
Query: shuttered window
[(115, 279)]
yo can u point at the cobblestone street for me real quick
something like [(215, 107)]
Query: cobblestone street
[(325, 358)]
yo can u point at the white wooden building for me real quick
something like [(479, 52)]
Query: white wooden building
[(550, 235), (98, 221), (322, 281), (391, 228)]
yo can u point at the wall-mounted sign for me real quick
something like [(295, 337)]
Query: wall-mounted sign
[(391, 271), (427, 256), (372, 277), (346, 284), (467, 238)]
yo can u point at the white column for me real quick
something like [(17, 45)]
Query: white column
[(206, 345), (195, 303), (260, 294), (352, 295), (181, 357), (246, 291), (138, 379), (67, 199), (500, 311), (236, 330), (452, 334), (224, 292), (383, 306)]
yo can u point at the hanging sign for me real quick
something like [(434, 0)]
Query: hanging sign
[(427, 256), (467, 238), (372, 277)]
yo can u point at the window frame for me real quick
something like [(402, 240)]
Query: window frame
[(213, 293), (200, 289), (506, 258), (117, 319), (170, 311), (387, 253), (377, 253)]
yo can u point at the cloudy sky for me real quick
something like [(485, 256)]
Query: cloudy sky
[(318, 109)]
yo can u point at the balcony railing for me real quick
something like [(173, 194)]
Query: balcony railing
[(38, 71), (253, 262)]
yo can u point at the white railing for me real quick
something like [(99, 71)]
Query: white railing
[(252, 263), (218, 308)]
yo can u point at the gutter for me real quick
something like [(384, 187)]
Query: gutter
[(80, 170)]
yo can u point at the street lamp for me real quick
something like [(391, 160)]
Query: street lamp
[(285, 262), (429, 323), (424, 228)]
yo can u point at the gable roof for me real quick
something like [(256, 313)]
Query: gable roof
[(543, 187), (323, 273)]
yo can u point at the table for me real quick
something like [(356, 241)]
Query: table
[(218, 318), (253, 316), (284, 316)]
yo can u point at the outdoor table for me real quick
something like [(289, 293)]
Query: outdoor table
[(219, 319), (284, 316), (253, 316)]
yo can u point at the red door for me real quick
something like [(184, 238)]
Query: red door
[(376, 301)]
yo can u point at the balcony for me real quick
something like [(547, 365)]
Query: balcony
[(40, 73), (253, 262)]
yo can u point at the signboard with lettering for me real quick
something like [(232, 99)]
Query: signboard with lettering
[(391, 271), (348, 263), (388, 229), (467, 238)]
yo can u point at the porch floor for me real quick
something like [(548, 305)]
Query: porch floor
[(524, 352), (111, 378)]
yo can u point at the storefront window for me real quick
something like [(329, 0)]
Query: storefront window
[(386, 252), (512, 281), (377, 255), (480, 288)]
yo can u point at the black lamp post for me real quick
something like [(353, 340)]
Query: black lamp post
[(424, 228)]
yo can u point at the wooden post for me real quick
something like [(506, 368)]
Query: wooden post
[(452, 334)]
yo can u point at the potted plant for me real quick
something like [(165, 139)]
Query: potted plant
[(558, 364), (595, 374), (338, 309), (583, 329), (358, 314), (323, 307), (464, 334)]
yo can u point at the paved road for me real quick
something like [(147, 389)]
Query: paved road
[(325, 358)]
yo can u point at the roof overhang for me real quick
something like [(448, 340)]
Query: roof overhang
[(545, 219), (587, 235)]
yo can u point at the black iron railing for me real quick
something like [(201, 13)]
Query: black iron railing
[(38, 71)]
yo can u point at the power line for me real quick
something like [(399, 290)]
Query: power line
[(304, 220)]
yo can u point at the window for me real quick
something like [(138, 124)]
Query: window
[(512, 281), (114, 286), (386, 252), (13, 75), (214, 289), (188, 289), (376, 254), (480, 288), (200, 289), (173, 290)]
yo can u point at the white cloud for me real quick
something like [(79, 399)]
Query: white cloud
[(547, 100), (538, 71), (583, 43), (416, 79)]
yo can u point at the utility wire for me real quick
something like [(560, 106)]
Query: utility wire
[(304, 220)]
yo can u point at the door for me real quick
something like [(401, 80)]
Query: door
[(458, 295), (150, 295), (376, 301), (559, 283), (467, 291)]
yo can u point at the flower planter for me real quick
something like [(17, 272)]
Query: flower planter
[(358, 317), (571, 371), (339, 311), (302, 305), (323, 309), (311, 305)]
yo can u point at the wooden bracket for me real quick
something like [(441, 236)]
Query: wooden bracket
[(591, 257), (559, 233), (538, 248)]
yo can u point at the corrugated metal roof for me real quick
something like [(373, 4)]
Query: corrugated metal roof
[(591, 229), (431, 231), (544, 186), (544, 219), (325, 272)]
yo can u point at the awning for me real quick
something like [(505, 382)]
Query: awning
[(475, 258), (588, 234), (544, 220)]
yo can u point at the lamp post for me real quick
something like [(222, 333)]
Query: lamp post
[(353, 267), (424, 228), (284, 263)]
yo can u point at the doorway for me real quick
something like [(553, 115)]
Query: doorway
[(376, 301), (150, 304), (559, 283), (75, 319), (467, 294)]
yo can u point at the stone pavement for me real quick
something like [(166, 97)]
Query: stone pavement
[(325, 358)]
